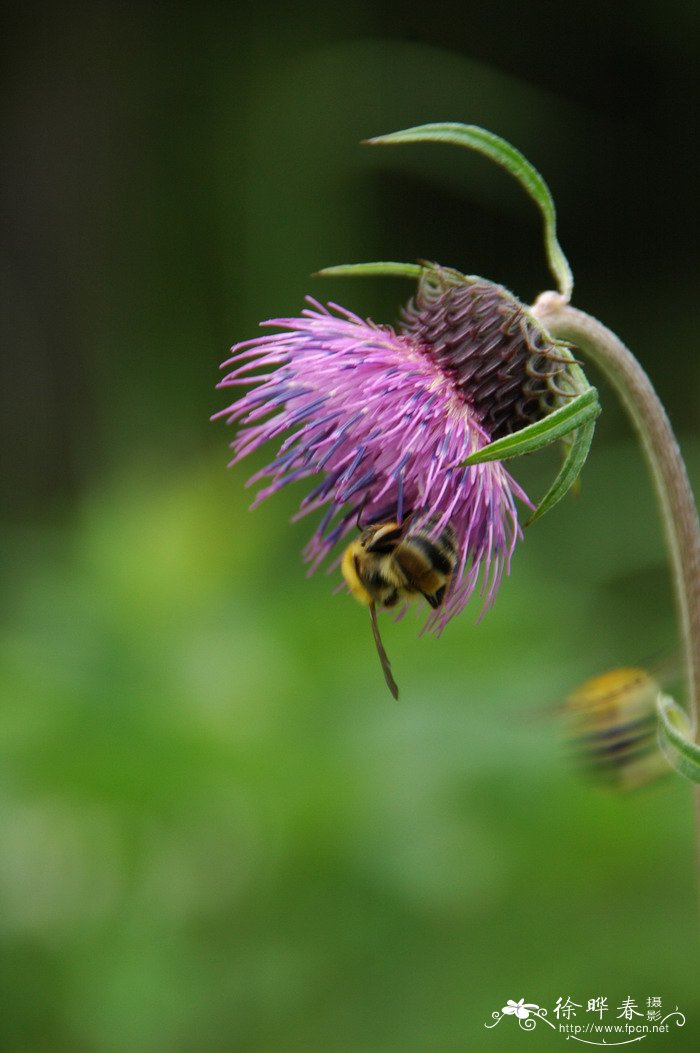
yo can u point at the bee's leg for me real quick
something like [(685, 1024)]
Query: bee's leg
[(435, 598), (383, 657)]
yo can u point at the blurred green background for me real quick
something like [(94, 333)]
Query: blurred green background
[(217, 832)]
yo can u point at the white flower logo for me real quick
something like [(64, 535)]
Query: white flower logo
[(520, 1009)]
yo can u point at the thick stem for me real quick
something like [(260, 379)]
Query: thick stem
[(673, 490)]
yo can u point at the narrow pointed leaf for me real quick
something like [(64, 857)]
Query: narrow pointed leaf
[(555, 425), (570, 470), (500, 151), (675, 739), (370, 270), (423, 271)]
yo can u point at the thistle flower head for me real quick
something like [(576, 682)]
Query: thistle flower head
[(384, 418)]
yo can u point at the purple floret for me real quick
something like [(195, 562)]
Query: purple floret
[(383, 427)]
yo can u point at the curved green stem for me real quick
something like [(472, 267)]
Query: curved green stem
[(652, 425), (668, 471)]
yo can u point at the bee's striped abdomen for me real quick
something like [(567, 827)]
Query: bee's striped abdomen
[(437, 554)]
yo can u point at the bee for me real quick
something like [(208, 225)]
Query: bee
[(391, 563), (612, 726)]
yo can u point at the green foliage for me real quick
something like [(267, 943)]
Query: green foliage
[(575, 456), (218, 832), (554, 426), (419, 271), (575, 419), (371, 270), (676, 739), (500, 151)]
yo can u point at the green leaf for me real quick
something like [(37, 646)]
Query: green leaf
[(354, 270), (500, 151), (675, 739), (431, 274), (555, 425), (570, 470)]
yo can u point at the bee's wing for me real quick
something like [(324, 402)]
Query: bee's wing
[(383, 657)]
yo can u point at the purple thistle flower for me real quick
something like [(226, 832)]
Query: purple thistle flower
[(386, 418)]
